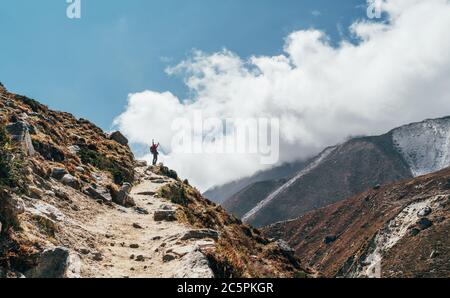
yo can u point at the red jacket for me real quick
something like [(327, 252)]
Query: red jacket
[(154, 148)]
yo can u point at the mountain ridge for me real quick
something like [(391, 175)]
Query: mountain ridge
[(390, 148), (220, 193), (74, 202)]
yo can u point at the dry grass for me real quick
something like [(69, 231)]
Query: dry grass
[(241, 251)]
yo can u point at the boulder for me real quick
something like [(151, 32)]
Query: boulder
[(141, 163), (137, 226), (164, 171), (194, 265), (169, 257), (49, 151), (122, 196), (50, 193), (57, 262), (20, 133), (128, 201), (71, 181), (98, 257), (35, 192), (159, 181), (74, 149), (85, 251), (205, 244), (17, 130), (200, 234), (424, 212), (140, 258), (284, 247), (74, 266), (126, 188), (10, 208), (123, 199), (99, 193), (60, 194), (165, 215), (58, 173), (18, 205), (165, 207), (141, 210), (181, 251), (80, 169), (43, 209), (119, 138)]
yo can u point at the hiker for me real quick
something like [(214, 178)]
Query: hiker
[(154, 151)]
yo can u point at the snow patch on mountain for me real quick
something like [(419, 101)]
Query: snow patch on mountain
[(425, 146), (388, 237), (314, 164)]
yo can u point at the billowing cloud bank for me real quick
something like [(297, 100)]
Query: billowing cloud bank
[(398, 73)]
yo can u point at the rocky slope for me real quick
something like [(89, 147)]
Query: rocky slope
[(75, 203), (399, 230), (424, 145), (347, 169)]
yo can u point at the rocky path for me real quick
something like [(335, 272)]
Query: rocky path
[(132, 244)]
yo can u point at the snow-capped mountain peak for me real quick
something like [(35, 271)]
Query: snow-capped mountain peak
[(425, 146)]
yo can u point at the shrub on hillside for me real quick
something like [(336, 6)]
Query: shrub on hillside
[(11, 163), (120, 174)]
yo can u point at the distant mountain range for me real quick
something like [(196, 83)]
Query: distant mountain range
[(338, 172)]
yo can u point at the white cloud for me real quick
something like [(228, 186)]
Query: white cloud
[(398, 73)]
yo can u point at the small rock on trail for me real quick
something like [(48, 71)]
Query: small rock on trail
[(201, 234), (137, 226), (58, 262), (140, 258), (165, 215)]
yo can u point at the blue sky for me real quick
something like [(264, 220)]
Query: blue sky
[(88, 66)]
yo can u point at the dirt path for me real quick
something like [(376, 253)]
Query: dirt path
[(132, 244)]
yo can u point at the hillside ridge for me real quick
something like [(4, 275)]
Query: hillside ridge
[(397, 230), (74, 202)]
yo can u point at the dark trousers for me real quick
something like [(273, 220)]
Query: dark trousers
[(155, 159)]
